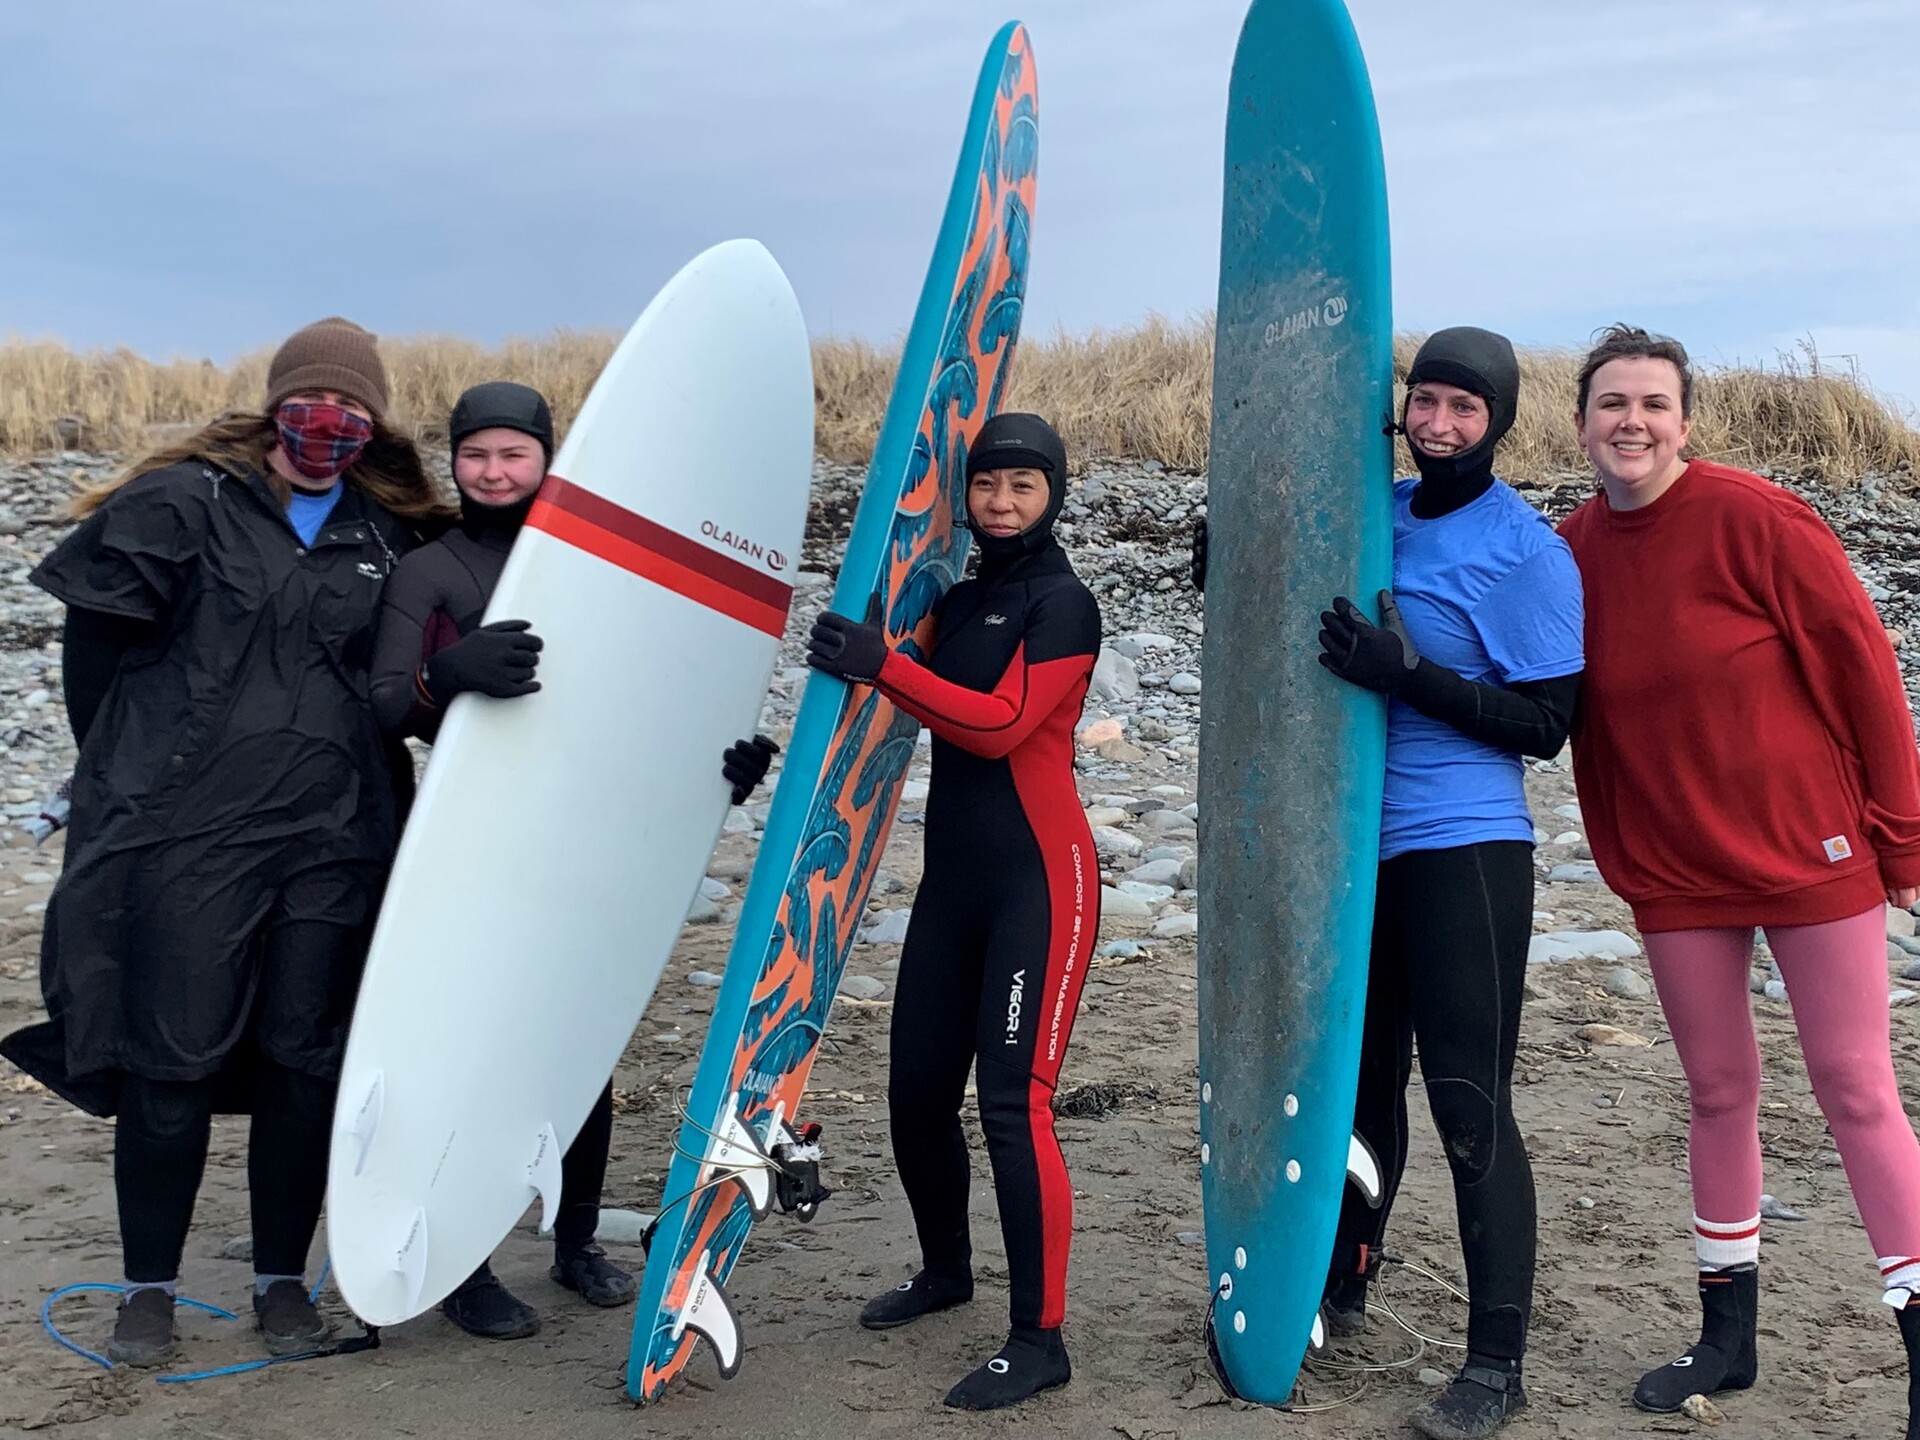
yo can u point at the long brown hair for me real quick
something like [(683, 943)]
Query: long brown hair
[(388, 471)]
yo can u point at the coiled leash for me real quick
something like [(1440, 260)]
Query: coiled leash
[(352, 1345)]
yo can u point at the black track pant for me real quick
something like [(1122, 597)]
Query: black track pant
[(160, 1137), (160, 1152), (991, 972), (1449, 962)]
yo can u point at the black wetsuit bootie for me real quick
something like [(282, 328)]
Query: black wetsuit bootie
[(586, 1270), (1343, 1305), (1909, 1318), (1030, 1361), (1478, 1402), (1726, 1357), (908, 1301), (484, 1307)]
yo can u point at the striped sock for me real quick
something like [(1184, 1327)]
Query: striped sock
[(1900, 1272), (1720, 1245)]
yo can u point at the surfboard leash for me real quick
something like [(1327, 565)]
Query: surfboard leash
[(1213, 1343), (369, 1339), (1318, 1361), (797, 1187)]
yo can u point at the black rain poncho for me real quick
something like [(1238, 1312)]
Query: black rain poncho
[(233, 775)]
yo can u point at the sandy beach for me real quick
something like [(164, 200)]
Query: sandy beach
[(1605, 1124)]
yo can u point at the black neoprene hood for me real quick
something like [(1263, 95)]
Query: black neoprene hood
[(1478, 361), (501, 404), (1017, 441)]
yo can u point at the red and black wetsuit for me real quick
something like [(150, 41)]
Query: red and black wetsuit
[(1006, 917)]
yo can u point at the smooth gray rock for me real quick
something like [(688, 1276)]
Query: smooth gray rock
[(1627, 984)]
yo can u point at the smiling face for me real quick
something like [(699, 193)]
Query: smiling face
[(498, 466), (1006, 502), (1634, 428), (1443, 420)]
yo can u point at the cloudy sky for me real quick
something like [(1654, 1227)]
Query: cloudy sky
[(199, 177)]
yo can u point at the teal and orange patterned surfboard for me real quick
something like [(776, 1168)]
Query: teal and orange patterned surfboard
[(850, 748)]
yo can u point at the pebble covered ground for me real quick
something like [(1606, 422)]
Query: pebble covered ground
[(1600, 1099)]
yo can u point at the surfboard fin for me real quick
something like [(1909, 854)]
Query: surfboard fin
[(1363, 1170), (543, 1176), (709, 1314), (733, 1149), (366, 1120), (412, 1260)]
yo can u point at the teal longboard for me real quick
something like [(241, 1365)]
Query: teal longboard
[(1291, 760), (742, 1148)]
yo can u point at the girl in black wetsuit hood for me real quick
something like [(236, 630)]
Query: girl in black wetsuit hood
[(433, 647), (1008, 908)]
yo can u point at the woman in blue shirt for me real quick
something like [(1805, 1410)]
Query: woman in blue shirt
[(1479, 654)]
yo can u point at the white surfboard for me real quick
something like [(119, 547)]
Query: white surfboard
[(558, 839)]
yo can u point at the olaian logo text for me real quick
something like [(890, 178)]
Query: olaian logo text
[(1324, 316), (742, 545)]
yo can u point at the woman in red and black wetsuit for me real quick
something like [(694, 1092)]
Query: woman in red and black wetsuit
[(1008, 907)]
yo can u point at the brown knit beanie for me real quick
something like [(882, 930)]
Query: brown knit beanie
[(330, 354)]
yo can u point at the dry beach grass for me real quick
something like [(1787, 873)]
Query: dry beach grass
[(1139, 393)]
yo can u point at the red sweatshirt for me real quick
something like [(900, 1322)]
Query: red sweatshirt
[(1744, 754)]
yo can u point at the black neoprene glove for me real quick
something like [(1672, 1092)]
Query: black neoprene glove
[(1376, 657), (1199, 562), (847, 648), (496, 660), (744, 764)]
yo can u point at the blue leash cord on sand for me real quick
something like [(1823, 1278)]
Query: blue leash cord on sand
[(369, 1341)]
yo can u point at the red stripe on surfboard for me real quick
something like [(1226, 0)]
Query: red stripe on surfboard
[(640, 546)]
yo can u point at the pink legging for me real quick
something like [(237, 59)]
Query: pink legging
[(1836, 976)]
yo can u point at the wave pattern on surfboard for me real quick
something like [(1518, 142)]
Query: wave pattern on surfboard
[(708, 1208)]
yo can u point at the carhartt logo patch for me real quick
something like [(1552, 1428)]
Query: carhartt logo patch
[(1837, 849)]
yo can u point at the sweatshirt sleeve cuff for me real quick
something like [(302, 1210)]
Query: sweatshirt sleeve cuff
[(1900, 871)]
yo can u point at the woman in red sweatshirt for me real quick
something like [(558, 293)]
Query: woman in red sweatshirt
[(1745, 757)]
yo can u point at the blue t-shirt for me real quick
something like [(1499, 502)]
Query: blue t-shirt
[(1491, 592), (308, 510)]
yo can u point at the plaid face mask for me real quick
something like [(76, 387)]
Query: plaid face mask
[(322, 440)]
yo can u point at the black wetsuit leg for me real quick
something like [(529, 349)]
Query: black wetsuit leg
[(308, 979), (287, 1165), (1453, 969), (1380, 1105), (312, 952), (931, 1051), (991, 974), (1023, 1022), (159, 1155), (583, 1176)]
